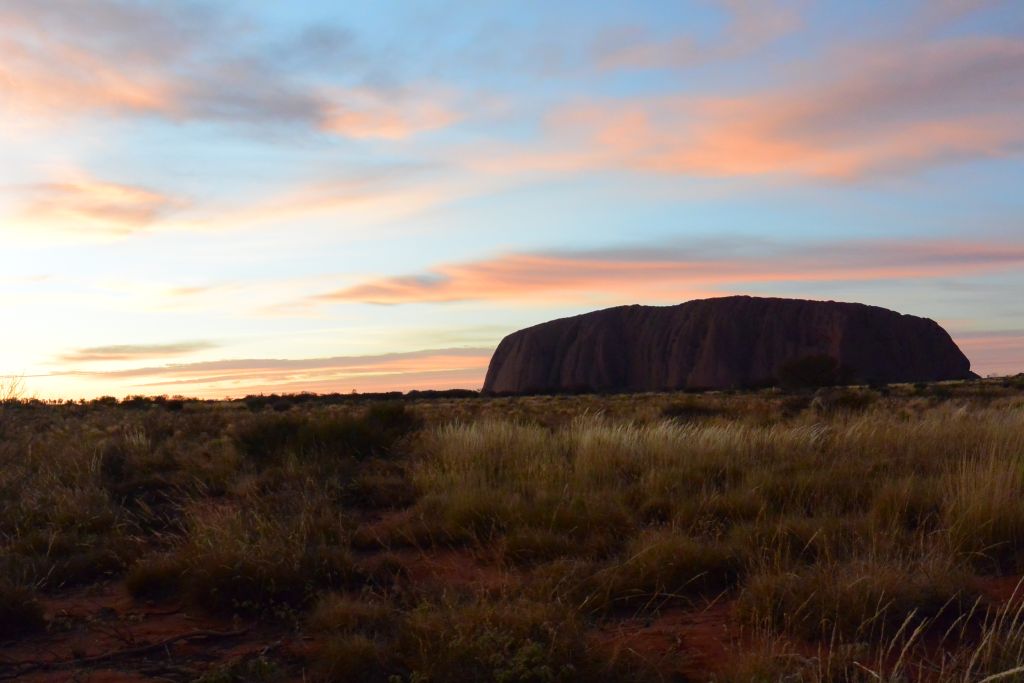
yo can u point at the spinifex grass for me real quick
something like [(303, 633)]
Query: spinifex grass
[(852, 535)]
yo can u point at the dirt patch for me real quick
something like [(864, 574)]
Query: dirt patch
[(101, 634), (454, 568), (682, 643)]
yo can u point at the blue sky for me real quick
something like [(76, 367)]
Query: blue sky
[(219, 198)]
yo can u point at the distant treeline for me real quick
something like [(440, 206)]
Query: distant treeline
[(254, 402), (799, 379)]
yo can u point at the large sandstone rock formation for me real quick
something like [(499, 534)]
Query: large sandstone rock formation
[(736, 341)]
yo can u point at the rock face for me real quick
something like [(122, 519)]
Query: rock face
[(730, 342)]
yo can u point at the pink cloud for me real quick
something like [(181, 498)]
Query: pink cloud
[(363, 114), (78, 202), (673, 274), (184, 63), (750, 26), (856, 113), (119, 352)]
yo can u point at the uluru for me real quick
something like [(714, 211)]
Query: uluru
[(720, 343)]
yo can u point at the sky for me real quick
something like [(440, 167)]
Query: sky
[(222, 198)]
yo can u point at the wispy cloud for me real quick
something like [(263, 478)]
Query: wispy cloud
[(750, 27), (121, 352), (872, 110), (362, 113), (75, 205), (370, 195), (80, 203), (668, 272), (184, 62)]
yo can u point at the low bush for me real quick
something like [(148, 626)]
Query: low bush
[(792, 406), (247, 670), (457, 642), (714, 515), (790, 542), (342, 614), (254, 562), (844, 401), (533, 546), (66, 536), (381, 485), (690, 410), (510, 641), (984, 514), (856, 601), (268, 437), (908, 504), (664, 567), (347, 657), (155, 576)]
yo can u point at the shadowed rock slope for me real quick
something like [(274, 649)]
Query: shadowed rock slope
[(729, 342)]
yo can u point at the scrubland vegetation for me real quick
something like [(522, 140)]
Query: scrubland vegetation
[(858, 534)]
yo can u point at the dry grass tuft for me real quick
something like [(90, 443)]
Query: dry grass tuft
[(850, 535)]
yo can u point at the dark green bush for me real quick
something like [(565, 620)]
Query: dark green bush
[(228, 582), (690, 410), (267, 437), (835, 401)]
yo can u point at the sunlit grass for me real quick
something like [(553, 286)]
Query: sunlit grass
[(850, 535)]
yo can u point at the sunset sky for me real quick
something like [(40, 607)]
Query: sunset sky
[(222, 198)]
